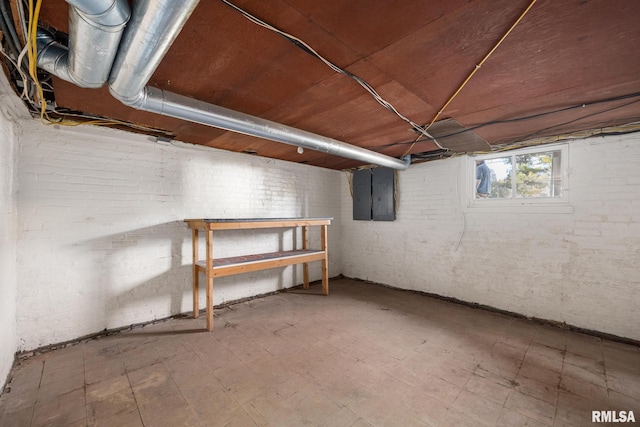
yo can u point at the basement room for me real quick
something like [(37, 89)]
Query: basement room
[(298, 213)]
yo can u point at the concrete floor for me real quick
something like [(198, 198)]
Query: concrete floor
[(364, 356)]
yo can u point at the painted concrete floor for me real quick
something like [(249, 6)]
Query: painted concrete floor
[(364, 356)]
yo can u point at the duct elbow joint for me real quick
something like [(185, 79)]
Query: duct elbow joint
[(148, 99), (407, 161), (136, 101), (52, 56)]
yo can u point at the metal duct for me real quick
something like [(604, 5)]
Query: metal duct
[(53, 56), (149, 35), (185, 108), (153, 27), (95, 29)]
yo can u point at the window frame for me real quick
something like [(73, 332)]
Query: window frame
[(532, 204)]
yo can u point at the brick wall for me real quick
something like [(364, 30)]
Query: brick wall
[(579, 267), (101, 241), (9, 111)]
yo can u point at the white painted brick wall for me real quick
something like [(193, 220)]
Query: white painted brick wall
[(101, 241), (580, 268), (10, 110)]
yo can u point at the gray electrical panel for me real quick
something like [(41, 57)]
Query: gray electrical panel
[(362, 194), (373, 194), (382, 186)]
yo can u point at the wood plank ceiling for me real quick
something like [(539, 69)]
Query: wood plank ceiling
[(569, 65)]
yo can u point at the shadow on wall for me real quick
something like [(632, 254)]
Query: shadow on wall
[(146, 274), (138, 274)]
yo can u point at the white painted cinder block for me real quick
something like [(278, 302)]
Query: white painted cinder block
[(580, 268), (101, 238)]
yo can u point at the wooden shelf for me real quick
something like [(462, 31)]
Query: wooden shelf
[(245, 264), (250, 223), (221, 267)]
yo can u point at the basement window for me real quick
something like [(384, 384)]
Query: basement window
[(531, 177)]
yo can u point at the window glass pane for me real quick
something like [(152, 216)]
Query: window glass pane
[(493, 178), (538, 175)]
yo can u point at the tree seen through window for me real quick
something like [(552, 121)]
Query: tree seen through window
[(537, 175)]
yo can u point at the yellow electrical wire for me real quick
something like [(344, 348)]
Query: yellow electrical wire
[(32, 55), (475, 69)]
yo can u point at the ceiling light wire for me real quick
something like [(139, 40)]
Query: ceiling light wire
[(475, 69), (307, 48)]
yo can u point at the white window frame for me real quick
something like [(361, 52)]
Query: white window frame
[(527, 205)]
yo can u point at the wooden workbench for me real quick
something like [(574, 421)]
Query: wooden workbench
[(221, 267)]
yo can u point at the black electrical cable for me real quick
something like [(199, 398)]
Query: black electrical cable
[(299, 43), (524, 138), (534, 116), (8, 40), (12, 36), (546, 113)]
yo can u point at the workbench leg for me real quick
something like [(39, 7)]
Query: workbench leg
[(305, 266), (209, 280), (325, 261), (196, 287)]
